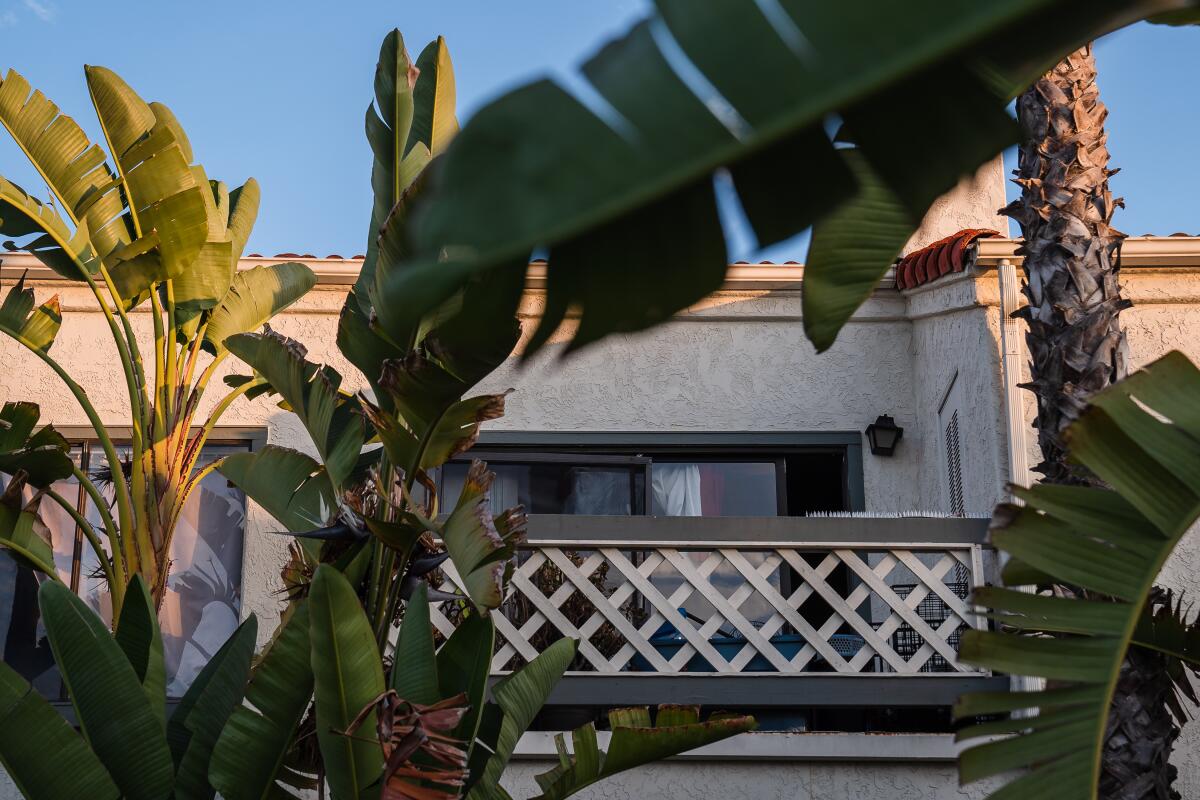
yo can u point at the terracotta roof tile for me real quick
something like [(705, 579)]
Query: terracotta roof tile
[(952, 254)]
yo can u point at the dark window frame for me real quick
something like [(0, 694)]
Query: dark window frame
[(599, 447)]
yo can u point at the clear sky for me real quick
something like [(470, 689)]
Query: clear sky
[(278, 90)]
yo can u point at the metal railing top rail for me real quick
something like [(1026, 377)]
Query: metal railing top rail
[(570, 530)]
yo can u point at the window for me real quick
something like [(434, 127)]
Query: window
[(710, 475), (203, 601), (711, 480)]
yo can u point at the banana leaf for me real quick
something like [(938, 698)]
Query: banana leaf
[(114, 713), (291, 486), (312, 393), (41, 752), (635, 741), (140, 639), (348, 676), (201, 715), (43, 457), (1141, 437), (415, 666), (76, 172), (249, 755), (254, 297), (35, 327), (518, 699), (610, 196)]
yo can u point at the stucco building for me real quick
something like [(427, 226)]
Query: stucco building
[(711, 482)]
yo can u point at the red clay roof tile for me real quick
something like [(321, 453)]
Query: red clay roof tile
[(952, 254)]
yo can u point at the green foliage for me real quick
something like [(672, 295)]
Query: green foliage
[(635, 741), (1142, 438), (42, 456), (31, 731), (20, 320), (142, 223), (140, 639), (124, 746), (291, 486), (357, 506), (202, 714), (250, 753), (626, 206), (348, 677)]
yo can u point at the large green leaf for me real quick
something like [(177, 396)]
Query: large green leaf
[(42, 754), (33, 327), (348, 677), (477, 547), (388, 123), (851, 249), (519, 697), (249, 755), (23, 533), (113, 711), (155, 165), (536, 168), (434, 123), (463, 665), (291, 486), (200, 717), (44, 456), (140, 639), (255, 296), (635, 741), (21, 215), (71, 165), (1142, 438), (312, 393), (415, 666)]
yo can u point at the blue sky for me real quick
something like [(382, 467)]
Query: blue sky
[(278, 90)]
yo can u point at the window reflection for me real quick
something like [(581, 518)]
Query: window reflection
[(556, 488), (715, 489), (202, 604)]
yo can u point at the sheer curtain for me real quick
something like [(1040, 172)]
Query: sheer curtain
[(677, 490)]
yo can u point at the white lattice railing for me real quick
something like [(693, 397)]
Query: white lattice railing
[(745, 596)]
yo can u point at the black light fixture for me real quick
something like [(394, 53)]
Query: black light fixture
[(883, 434)]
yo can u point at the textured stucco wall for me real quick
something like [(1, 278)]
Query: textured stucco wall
[(727, 780)]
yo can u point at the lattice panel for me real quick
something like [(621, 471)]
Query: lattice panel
[(737, 610)]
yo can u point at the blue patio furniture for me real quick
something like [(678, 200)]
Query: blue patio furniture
[(668, 641)]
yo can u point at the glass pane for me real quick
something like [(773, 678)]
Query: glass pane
[(92, 586), (555, 488), (715, 489), (202, 604), (23, 644)]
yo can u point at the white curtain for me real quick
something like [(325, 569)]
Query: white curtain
[(676, 490)]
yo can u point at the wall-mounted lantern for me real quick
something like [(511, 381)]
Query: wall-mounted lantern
[(883, 434)]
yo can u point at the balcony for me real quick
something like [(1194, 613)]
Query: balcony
[(756, 612)]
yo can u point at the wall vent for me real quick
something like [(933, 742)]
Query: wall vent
[(954, 466)]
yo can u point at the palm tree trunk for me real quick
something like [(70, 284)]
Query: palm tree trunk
[(1072, 252), (1077, 348)]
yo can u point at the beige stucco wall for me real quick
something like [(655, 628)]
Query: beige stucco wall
[(803, 780)]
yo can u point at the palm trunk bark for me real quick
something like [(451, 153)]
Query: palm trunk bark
[(1077, 348)]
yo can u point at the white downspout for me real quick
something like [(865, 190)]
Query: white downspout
[(1012, 346)]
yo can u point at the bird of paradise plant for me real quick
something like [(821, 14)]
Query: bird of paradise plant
[(147, 231)]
